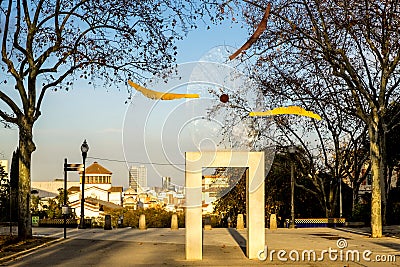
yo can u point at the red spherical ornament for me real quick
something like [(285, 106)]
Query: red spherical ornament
[(224, 98)]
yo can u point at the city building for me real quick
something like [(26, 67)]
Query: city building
[(138, 178), (49, 189), (130, 199), (97, 186), (366, 185), (165, 182), (99, 192), (213, 186)]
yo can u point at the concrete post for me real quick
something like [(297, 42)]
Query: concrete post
[(174, 222), (193, 218), (207, 223), (240, 222), (272, 222), (255, 219), (142, 222)]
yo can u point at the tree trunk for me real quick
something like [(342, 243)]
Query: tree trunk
[(26, 147), (14, 177), (384, 175), (332, 203), (376, 198), (355, 190)]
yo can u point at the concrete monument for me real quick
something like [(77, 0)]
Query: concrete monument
[(254, 161)]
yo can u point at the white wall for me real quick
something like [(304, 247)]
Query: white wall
[(115, 197), (96, 193)]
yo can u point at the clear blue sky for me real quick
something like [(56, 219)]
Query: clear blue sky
[(98, 116)]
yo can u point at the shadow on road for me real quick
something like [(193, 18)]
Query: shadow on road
[(240, 240), (391, 245)]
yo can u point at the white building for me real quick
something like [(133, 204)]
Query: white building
[(213, 185), (49, 189), (99, 192), (138, 178), (130, 199)]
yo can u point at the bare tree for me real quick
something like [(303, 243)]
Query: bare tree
[(331, 150), (353, 44), (48, 45)]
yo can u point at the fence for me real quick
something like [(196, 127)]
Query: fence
[(319, 222), (71, 223)]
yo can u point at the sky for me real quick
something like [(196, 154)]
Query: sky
[(114, 130)]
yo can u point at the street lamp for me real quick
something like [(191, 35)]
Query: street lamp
[(84, 150), (292, 150)]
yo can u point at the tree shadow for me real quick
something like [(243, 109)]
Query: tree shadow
[(392, 245), (240, 240)]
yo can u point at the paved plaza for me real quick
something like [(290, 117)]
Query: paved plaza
[(221, 247)]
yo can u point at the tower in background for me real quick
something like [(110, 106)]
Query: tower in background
[(165, 182), (137, 177)]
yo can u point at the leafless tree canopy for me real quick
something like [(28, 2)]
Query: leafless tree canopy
[(333, 57), (48, 45)]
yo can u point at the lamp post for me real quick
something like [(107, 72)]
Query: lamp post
[(292, 150), (340, 198), (84, 150)]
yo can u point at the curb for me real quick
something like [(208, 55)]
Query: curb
[(22, 253)]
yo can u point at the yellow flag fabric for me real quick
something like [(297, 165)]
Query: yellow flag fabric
[(160, 95)]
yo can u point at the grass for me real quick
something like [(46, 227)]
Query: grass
[(10, 245)]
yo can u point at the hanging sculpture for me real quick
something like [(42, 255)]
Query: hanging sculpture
[(295, 110), (260, 29), (160, 95)]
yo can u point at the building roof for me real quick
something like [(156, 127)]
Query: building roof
[(99, 202), (130, 191), (95, 188), (115, 189), (96, 168), (74, 189)]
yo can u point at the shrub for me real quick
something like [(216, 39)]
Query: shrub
[(155, 218)]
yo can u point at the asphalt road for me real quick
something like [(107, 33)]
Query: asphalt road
[(221, 247)]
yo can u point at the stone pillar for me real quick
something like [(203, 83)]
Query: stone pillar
[(240, 222), (272, 222), (193, 218), (174, 222), (255, 216), (142, 222), (207, 223)]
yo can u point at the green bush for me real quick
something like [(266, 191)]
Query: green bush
[(155, 218), (97, 222)]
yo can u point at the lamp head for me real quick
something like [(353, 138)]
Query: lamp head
[(84, 148)]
